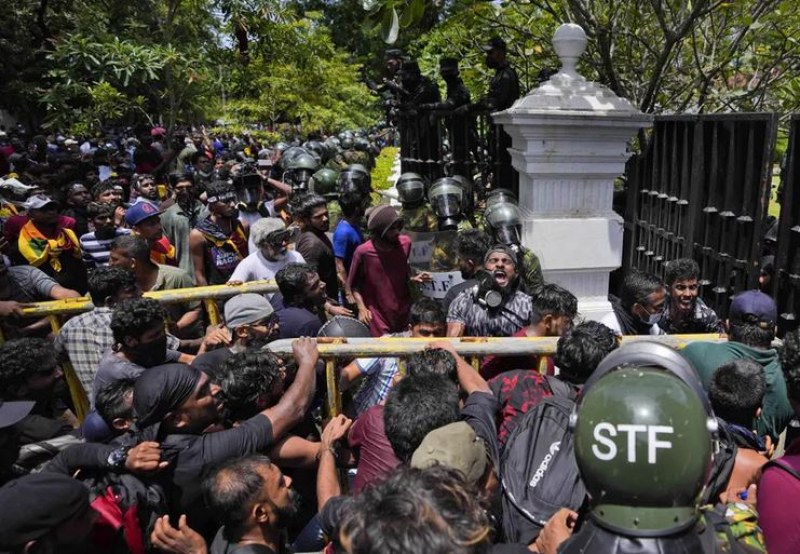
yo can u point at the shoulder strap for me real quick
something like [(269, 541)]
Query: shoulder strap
[(777, 463), (560, 388)]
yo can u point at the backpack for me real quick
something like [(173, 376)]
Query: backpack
[(127, 511), (538, 467)]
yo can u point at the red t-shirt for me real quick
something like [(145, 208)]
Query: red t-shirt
[(381, 278), (493, 366), (376, 457), (777, 492)]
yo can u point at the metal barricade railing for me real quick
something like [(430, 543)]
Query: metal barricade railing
[(472, 348), (54, 309)]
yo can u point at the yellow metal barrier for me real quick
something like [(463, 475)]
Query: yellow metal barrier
[(72, 306), (468, 347)]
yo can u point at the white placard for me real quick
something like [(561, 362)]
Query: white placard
[(442, 281)]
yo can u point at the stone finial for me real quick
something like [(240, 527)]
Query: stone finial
[(569, 42)]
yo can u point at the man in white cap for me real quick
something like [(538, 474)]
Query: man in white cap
[(271, 238)]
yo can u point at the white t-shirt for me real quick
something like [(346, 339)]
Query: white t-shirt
[(256, 267)]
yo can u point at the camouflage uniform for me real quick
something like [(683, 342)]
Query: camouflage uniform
[(445, 257), (334, 213), (357, 157), (530, 270), (420, 219)]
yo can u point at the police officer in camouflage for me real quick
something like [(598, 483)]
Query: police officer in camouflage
[(416, 212)]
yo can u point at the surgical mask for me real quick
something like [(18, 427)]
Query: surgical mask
[(652, 319)]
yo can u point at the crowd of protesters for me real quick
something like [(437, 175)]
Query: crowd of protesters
[(200, 439)]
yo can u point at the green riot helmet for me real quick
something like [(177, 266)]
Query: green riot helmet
[(346, 142), (316, 149), (469, 196), (301, 168), (498, 196), (447, 200), (644, 438), (410, 189), (505, 223), (291, 153), (324, 182)]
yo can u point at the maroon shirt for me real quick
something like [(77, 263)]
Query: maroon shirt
[(376, 459), (381, 277), (777, 492), (493, 366)]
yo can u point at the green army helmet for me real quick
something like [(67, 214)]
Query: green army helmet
[(410, 189), (361, 144), (324, 182), (300, 169), (644, 438)]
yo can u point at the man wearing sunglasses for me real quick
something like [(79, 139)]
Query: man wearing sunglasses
[(272, 239), (684, 311)]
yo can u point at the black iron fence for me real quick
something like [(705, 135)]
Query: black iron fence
[(787, 258), (438, 143), (700, 189)]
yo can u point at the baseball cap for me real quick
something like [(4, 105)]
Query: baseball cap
[(753, 306), (39, 201), (495, 42), (13, 412), (455, 445), (245, 309), (34, 505), (139, 212)]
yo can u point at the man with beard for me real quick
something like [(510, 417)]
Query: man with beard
[(251, 322), (29, 372), (147, 190), (180, 218), (300, 304), (311, 212), (145, 220), (470, 246), (271, 237), (133, 254), (45, 243), (639, 308), (379, 274), (494, 306), (219, 242), (96, 245), (684, 311), (77, 199), (139, 342), (254, 501)]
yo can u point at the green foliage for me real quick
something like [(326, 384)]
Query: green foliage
[(383, 168)]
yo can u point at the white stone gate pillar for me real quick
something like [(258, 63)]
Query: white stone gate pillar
[(569, 143)]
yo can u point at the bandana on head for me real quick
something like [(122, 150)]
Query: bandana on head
[(162, 389)]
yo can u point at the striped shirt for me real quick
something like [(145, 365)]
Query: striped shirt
[(378, 374), (97, 251)]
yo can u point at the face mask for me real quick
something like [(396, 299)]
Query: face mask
[(651, 319), (149, 354), (105, 233)]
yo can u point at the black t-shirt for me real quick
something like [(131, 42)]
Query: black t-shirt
[(210, 362), (223, 546), (317, 250), (297, 322), (480, 413)]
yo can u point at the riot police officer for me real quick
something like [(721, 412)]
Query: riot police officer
[(416, 212)]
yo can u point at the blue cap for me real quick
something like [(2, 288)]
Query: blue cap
[(139, 212), (753, 306)]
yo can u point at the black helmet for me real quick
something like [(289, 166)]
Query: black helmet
[(344, 326), (411, 188), (361, 144)]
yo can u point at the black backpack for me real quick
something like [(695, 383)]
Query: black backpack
[(539, 474)]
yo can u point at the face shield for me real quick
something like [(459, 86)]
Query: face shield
[(446, 197), (411, 191), (301, 178), (500, 196), (504, 219)]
